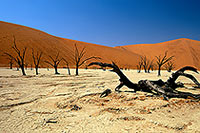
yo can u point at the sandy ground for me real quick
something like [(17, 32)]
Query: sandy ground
[(63, 103)]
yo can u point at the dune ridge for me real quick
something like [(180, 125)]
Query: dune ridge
[(50, 45), (186, 51)]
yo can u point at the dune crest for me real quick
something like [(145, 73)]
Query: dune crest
[(186, 51), (50, 45)]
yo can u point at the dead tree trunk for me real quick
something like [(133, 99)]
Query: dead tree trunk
[(19, 58), (36, 60), (145, 63), (166, 89), (139, 66), (150, 67), (123, 79), (67, 63), (17, 67), (161, 61), (11, 62), (79, 58), (55, 62), (169, 66), (31, 67)]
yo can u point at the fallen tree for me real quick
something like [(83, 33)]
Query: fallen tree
[(166, 89)]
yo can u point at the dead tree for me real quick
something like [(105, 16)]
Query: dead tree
[(79, 57), (169, 66), (31, 66), (165, 89), (10, 62), (36, 60), (55, 62), (19, 58), (67, 63), (145, 63), (139, 66), (17, 67), (150, 66), (161, 61)]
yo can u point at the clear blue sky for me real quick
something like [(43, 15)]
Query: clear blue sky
[(108, 22)]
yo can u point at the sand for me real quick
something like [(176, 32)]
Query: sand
[(63, 103), (185, 51), (51, 45)]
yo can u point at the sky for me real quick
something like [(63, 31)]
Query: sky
[(108, 22)]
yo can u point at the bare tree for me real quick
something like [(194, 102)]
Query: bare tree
[(20, 57), (140, 64), (169, 66), (17, 67), (10, 62), (31, 66), (145, 63), (79, 57), (150, 66), (36, 60), (162, 60), (67, 63), (55, 62)]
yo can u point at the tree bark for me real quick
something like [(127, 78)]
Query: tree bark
[(68, 71), (159, 71), (76, 70), (11, 65), (23, 71), (56, 70), (36, 70), (166, 89)]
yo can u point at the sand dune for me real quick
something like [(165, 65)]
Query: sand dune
[(49, 44), (63, 103), (186, 51)]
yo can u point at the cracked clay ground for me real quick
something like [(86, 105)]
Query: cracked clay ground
[(62, 103)]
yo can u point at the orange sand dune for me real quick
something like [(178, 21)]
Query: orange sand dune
[(50, 45), (186, 51)]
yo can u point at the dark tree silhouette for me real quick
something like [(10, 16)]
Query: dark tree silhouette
[(139, 66), (67, 63), (169, 66), (165, 89), (36, 60), (145, 63), (79, 57), (31, 66), (150, 66), (17, 67), (19, 58), (161, 61), (55, 62), (10, 62)]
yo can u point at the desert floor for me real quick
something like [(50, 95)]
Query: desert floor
[(63, 103)]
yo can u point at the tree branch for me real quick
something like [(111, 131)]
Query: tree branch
[(93, 57)]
